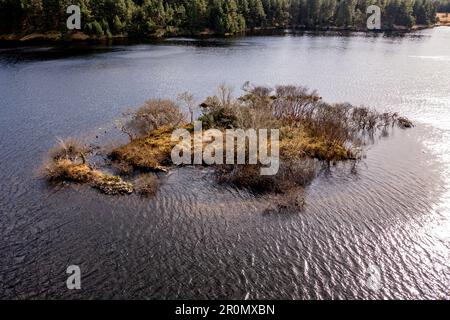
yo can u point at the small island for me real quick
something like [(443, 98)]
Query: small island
[(312, 134)]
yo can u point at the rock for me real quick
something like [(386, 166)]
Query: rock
[(113, 185)]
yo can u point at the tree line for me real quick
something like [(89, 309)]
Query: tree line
[(106, 18), (443, 6)]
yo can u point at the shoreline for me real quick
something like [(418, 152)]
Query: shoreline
[(56, 37)]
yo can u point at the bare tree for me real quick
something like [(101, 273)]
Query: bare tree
[(225, 95), (152, 115), (188, 99)]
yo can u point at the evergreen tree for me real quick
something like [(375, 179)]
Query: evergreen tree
[(118, 26), (144, 17), (257, 14), (344, 14), (97, 29), (313, 9), (405, 14), (327, 11)]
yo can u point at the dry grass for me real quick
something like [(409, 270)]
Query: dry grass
[(297, 143), (148, 153), (65, 169), (443, 19), (69, 149), (67, 162)]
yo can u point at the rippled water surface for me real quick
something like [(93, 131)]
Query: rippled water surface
[(389, 222)]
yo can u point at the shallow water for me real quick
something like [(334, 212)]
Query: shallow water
[(196, 239)]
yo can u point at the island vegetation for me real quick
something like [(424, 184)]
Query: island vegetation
[(313, 134), (103, 19)]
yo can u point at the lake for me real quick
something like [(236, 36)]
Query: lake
[(382, 232)]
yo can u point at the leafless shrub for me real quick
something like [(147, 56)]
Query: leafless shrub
[(64, 169), (261, 92), (225, 95), (291, 174), (151, 116), (69, 149), (246, 176), (189, 101), (219, 112), (387, 119), (364, 119), (51, 170), (293, 103), (255, 116), (330, 122)]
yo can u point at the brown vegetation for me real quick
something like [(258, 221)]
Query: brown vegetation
[(312, 133), (443, 19), (67, 162), (150, 153), (152, 115)]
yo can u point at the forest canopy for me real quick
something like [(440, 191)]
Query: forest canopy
[(443, 6), (105, 18)]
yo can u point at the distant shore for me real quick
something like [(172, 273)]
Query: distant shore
[(57, 37), (443, 19)]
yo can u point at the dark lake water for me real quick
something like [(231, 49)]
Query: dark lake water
[(196, 239)]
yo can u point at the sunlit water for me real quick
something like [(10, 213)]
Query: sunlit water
[(197, 239)]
